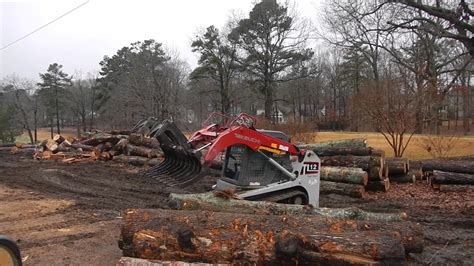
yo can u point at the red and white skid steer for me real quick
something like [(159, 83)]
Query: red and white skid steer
[(258, 164)]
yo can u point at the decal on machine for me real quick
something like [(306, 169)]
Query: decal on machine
[(309, 168)]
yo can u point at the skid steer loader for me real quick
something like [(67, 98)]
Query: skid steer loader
[(258, 164)]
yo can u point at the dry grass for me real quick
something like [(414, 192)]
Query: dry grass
[(463, 146)]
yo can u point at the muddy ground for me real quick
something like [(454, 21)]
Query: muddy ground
[(70, 214)]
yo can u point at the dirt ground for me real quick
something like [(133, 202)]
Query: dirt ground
[(64, 214)]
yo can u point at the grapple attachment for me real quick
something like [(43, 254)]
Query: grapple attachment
[(181, 165)]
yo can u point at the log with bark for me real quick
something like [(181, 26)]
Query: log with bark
[(58, 139), (464, 167), (114, 139), (141, 140), (406, 178), (354, 151), (213, 237), (135, 160), (344, 175), (450, 178), (142, 151), (378, 153), (345, 143), (23, 152), (209, 202), (352, 190), (375, 173), (397, 166), (346, 161), (383, 185), (52, 145)]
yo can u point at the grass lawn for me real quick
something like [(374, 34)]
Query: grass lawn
[(463, 145)]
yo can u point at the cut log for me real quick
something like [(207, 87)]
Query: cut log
[(375, 173), (449, 178), (58, 139), (255, 239), (332, 151), (97, 140), (383, 185), (141, 140), (344, 175), (23, 152), (465, 167), (135, 160), (406, 178), (24, 146), (353, 143), (81, 146), (209, 202), (346, 161), (397, 166), (120, 132), (378, 153), (141, 151), (7, 145), (352, 190), (52, 146)]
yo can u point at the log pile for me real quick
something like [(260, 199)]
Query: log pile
[(449, 172), (131, 149), (350, 155), (214, 230)]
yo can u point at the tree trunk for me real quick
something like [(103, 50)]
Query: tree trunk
[(344, 175), (397, 166), (466, 167), (352, 190), (448, 178), (364, 162), (35, 125), (57, 111), (255, 239)]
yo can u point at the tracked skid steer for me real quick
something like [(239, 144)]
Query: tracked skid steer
[(258, 164)]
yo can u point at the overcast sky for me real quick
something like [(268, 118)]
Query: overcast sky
[(80, 40)]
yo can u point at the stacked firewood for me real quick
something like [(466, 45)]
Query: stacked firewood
[(455, 171), (132, 149), (361, 166), (218, 229)]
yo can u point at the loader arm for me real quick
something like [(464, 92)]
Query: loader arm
[(250, 138)]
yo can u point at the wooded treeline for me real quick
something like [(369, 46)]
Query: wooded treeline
[(399, 67)]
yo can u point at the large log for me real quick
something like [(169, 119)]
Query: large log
[(141, 140), (375, 173), (344, 175), (332, 151), (346, 161), (94, 141), (397, 166), (58, 139), (352, 190), (464, 167), (209, 202), (383, 185), (449, 178), (142, 151), (406, 178), (213, 237), (132, 160), (353, 143)]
